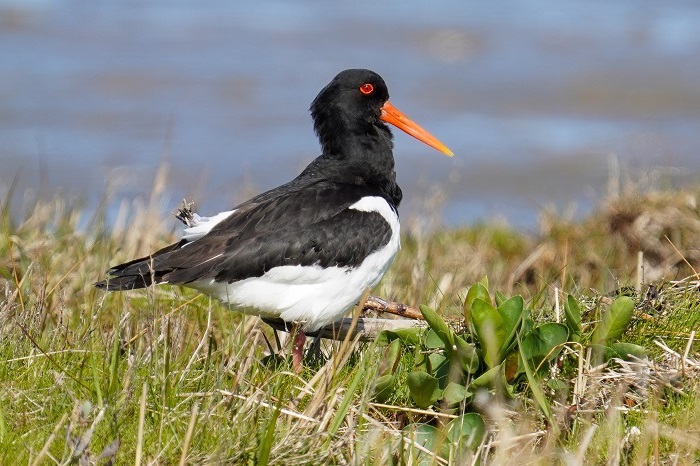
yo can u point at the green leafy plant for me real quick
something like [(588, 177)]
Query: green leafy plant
[(610, 328), (456, 439), (386, 375), (498, 347)]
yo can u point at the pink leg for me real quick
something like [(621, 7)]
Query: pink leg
[(298, 350)]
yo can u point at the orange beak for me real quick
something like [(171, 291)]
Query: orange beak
[(391, 114)]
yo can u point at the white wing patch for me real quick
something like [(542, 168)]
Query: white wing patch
[(203, 225), (379, 205)]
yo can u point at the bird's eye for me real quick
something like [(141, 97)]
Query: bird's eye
[(367, 88)]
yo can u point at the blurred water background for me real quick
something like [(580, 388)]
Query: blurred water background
[(540, 100)]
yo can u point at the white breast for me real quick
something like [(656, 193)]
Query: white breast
[(311, 294)]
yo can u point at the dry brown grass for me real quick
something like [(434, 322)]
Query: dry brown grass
[(169, 375), (599, 252)]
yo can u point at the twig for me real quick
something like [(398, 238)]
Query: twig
[(377, 304), (513, 441), (367, 328)]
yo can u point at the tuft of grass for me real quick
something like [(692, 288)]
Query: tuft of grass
[(166, 376)]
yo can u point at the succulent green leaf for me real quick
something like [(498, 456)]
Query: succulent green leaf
[(390, 358), (528, 322), (600, 353), (572, 313), (438, 325), (384, 387), (557, 385), (467, 430), (537, 392), (511, 311), (454, 394), (432, 340), (420, 360), (628, 350), (493, 379), (545, 341), (466, 355), (486, 379), (478, 290), (407, 336), (615, 321), (426, 436), (500, 298), (423, 388), (490, 330), (439, 365)]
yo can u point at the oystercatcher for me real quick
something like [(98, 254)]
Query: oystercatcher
[(304, 251)]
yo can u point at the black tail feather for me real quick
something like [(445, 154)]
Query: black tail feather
[(127, 282), (137, 273)]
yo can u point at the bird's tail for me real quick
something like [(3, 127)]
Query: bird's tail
[(138, 273), (129, 276)]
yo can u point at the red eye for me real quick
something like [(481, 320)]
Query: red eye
[(367, 89)]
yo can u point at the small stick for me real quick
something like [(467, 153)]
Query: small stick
[(368, 329), (377, 304)]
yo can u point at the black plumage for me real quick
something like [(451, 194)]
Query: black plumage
[(307, 221), (310, 226)]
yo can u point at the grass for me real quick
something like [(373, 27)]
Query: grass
[(166, 376)]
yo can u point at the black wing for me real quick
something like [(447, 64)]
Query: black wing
[(309, 225)]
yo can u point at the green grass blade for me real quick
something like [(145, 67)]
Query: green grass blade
[(536, 389), (267, 441), (345, 404)]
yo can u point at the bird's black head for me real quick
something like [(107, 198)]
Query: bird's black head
[(349, 117), (350, 112), (349, 109)]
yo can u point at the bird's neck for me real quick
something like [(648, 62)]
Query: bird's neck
[(360, 155), (356, 142)]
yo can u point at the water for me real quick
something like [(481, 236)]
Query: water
[(535, 97)]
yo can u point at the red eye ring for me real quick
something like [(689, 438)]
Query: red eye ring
[(367, 88)]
